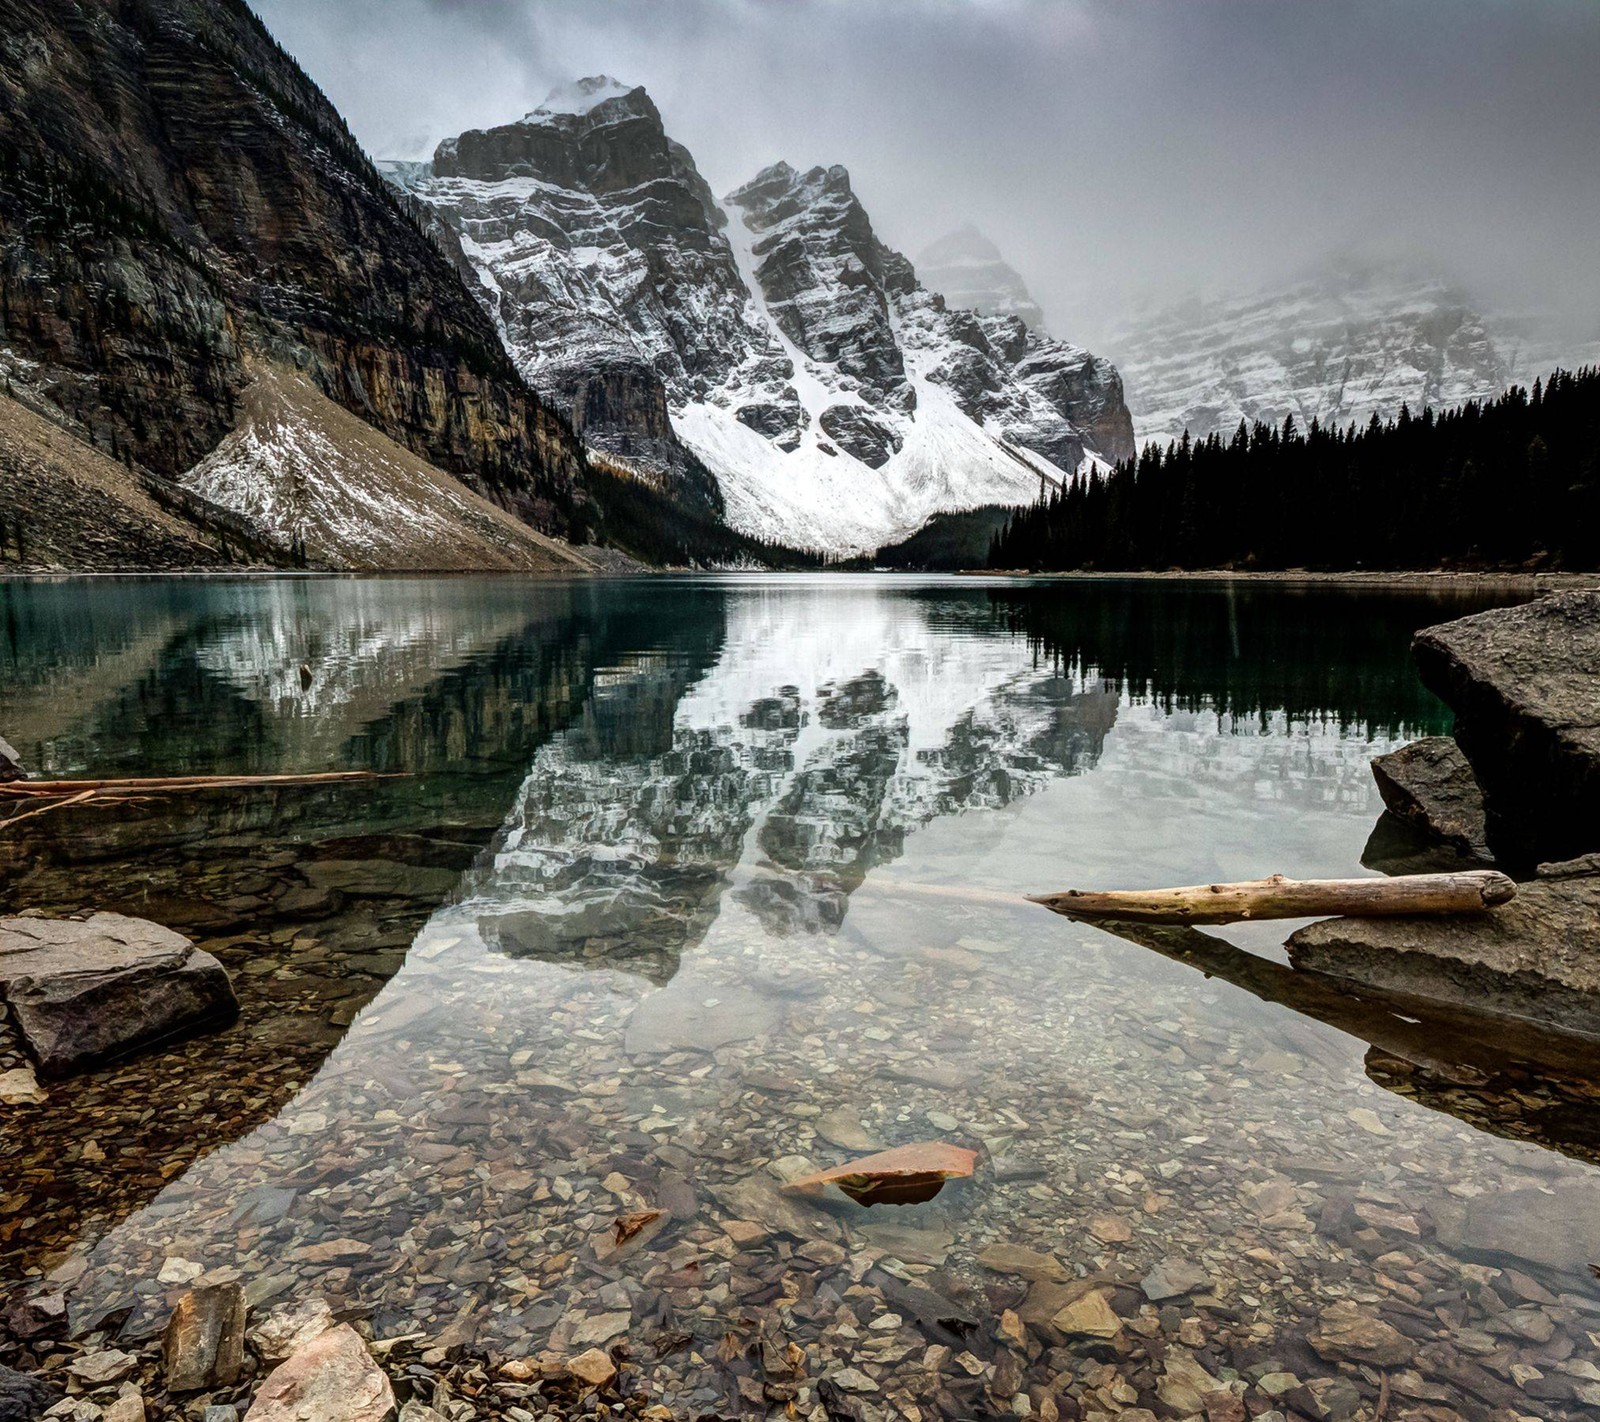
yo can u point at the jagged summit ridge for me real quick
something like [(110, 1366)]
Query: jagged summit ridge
[(771, 339)]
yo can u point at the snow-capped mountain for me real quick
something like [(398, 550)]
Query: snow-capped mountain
[(770, 339), (966, 268), (1354, 341)]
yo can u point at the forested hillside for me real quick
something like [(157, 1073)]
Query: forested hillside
[(1510, 483)]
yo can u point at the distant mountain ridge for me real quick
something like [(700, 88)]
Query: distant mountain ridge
[(1352, 341), (767, 353)]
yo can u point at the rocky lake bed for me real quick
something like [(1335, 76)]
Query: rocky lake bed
[(530, 1046)]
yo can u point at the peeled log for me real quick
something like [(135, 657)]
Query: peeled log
[(1418, 894)]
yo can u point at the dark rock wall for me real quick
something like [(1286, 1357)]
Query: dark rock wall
[(176, 194)]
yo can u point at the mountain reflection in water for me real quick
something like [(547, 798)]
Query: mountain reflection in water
[(723, 872)]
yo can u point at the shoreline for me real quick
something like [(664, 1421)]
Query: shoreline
[(1430, 579), (1434, 578)]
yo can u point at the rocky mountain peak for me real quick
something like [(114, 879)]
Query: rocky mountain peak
[(771, 339), (596, 135), (967, 268), (826, 278)]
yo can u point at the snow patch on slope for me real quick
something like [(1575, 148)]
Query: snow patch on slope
[(304, 471), (580, 97)]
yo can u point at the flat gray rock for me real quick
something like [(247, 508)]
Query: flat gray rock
[(1430, 786), (1532, 958), (84, 991), (1524, 686), (1556, 1229), (687, 1015)]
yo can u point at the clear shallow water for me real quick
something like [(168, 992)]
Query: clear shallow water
[(688, 884)]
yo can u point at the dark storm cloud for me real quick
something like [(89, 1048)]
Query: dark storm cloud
[(1117, 150)]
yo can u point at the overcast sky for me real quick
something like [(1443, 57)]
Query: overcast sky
[(1118, 151)]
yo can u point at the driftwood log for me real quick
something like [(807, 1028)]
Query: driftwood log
[(1417, 894), (41, 797), (170, 783)]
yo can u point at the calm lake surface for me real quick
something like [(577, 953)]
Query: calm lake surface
[(684, 887)]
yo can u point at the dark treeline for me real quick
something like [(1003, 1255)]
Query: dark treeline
[(1511, 483)]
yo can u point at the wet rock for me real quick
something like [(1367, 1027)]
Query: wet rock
[(22, 1397), (83, 991), (1172, 1278), (290, 1327), (1088, 1317), (380, 878), (1347, 1333), (908, 1174), (842, 1127), (10, 763), (1521, 682), (1185, 1384), (103, 1368), (758, 1198), (204, 1342), (1025, 1263), (1530, 958), (686, 1015), (1430, 786), (332, 1379), (911, 1244), (1556, 1229), (593, 1367), (20, 1087), (129, 1406)]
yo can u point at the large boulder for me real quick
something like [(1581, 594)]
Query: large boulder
[(330, 1379), (82, 991), (1524, 683), (1556, 1228), (1429, 785), (1532, 958), (22, 1396), (203, 1346)]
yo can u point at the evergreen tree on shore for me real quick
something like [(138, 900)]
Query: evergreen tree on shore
[(1514, 482)]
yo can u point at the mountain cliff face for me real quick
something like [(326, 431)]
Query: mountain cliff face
[(770, 339), (967, 269), (1353, 342), (178, 202)]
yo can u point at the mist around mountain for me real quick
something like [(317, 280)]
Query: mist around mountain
[(1352, 340), (966, 268)]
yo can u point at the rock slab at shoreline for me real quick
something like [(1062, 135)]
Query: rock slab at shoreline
[(1429, 785), (1532, 958), (1523, 684), (83, 991)]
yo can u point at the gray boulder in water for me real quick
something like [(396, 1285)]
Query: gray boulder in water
[(1524, 683), (1531, 958), (23, 1398), (1430, 786), (82, 991)]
